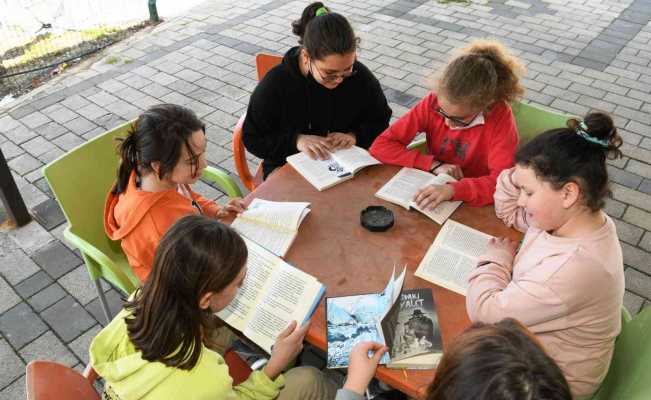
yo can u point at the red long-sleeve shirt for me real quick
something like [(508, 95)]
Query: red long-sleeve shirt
[(481, 151)]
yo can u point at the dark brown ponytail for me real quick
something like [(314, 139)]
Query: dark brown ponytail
[(158, 134), (324, 34)]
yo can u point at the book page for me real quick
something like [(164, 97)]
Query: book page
[(443, 210), (320, 173), (260, 266), (452, 256), (354, 158), (402, 188), (289, 296), (273, 225)]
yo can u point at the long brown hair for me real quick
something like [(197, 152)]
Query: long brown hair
[(501, 361), (483, 73), (197, 255)]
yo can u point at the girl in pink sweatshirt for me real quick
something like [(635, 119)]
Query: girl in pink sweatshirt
[(470, 130), (566, 282)]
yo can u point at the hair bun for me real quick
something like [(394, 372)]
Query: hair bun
[(599, 128)]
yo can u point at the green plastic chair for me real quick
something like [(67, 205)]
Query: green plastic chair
[(80, 181), (629, 376), (531, 121)]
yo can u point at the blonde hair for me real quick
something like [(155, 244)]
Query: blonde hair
[(484, 72)]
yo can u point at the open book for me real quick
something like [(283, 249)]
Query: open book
[(272, 224), (273, 294), (453, 255), (404, 185), (354, 319), (341, 166)]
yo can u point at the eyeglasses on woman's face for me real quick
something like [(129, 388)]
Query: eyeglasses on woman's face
[(327, 76)]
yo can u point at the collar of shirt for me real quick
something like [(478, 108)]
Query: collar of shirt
[(479, 120)]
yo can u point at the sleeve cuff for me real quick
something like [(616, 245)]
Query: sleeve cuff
[(462, 190), (345, 394), (261, 378), (424, 161), (497, 256)]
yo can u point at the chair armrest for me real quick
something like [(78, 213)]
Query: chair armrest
[(420, 145), (223, 180), (102, 259)]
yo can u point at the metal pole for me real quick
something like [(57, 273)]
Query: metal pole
[(11, 197), (153, 12)]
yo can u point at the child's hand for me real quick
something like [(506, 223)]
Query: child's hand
[(340, 140), (361, 368), (503, 244), (316, 147), (288, 344), (234, 205), (450, 169), (432, 195)]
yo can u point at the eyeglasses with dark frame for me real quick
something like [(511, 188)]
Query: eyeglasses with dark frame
[(458, 121), (329, 78)]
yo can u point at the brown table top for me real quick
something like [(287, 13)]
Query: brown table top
[(334, 247)]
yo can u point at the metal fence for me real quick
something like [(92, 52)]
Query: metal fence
[(39, 38)]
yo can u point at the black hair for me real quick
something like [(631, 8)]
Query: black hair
[(158, 134), (577, 154), (196, 256), (326, 34)]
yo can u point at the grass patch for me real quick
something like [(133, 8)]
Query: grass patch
[(48, 45)]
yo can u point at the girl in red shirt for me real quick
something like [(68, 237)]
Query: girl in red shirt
[(470, 129)]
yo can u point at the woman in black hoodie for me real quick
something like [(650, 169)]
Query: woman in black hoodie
[(319, 99)]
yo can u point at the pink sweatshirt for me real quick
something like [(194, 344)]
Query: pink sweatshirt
[(568, 291)]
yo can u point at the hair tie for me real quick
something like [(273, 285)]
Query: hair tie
[(582, 130), (321, 11)]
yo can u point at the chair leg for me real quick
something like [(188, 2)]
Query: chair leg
[(102, 300)]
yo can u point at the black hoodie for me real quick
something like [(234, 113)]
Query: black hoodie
[(286, 103)]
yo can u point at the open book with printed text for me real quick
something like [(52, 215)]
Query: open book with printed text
[(274, 293), (453, 256), (404, 185), (341, 166), (272, 224)]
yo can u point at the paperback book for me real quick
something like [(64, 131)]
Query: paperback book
[(403, 320), (341, 166), (402, 188)]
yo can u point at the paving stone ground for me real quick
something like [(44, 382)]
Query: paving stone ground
[(580, 55)]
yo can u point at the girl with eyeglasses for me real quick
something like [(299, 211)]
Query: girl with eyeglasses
[(319, 99), (470, 129), (162, 155)]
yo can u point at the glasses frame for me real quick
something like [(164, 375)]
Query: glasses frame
[(331, 78), (458, 121)]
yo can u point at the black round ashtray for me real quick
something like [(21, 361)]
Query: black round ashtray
[(376, 218)]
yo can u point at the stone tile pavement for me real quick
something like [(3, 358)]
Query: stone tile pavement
[(581, 54)]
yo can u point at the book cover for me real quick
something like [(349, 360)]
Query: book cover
[(411, 327), (354, 319)]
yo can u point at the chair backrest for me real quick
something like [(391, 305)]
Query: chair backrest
[(264, 62), (80, 181), (533, 120), (629, 376), (48, 380)]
